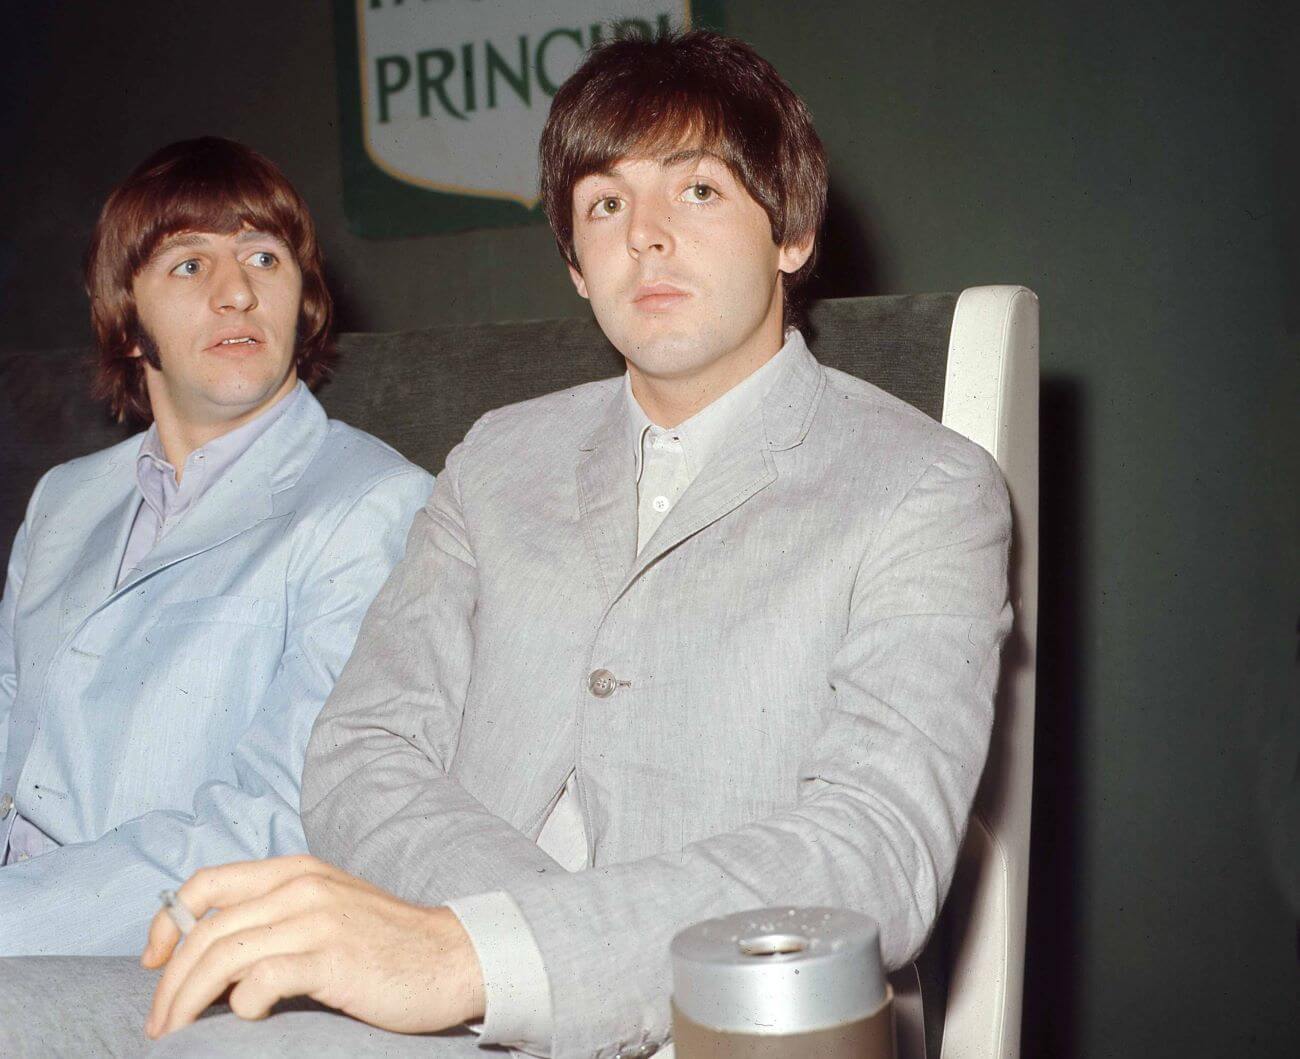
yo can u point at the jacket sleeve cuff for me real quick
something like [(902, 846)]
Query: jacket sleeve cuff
[(515, 987)]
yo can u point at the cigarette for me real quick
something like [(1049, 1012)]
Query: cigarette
[(180, 915)]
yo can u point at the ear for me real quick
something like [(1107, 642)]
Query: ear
[(579, 283), (795, 254)]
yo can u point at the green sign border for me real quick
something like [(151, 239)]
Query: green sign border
[(379, 206)]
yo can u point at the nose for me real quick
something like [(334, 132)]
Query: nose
[(231, 289), (650, 229)]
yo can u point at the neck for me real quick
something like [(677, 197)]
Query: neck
[(181, 434)]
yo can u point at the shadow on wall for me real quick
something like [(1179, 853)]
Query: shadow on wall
[(847, 263), (349, 314), (1053, 986)]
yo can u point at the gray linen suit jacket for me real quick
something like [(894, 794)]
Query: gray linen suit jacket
[(810, 642)]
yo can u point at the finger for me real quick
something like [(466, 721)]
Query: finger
[(300, 894), (226, 961), (225, 885), (180, 916), (163, 936), (276, 978), (229, 884)]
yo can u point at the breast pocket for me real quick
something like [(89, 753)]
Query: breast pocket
[(220, 610), (216, 655), (177, 692), (210, 664)]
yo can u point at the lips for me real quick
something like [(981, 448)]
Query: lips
[(656, 297), (236, 340)]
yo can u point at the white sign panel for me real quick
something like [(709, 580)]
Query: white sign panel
[(454, 93)]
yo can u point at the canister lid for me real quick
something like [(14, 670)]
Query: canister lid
[(779, 970)]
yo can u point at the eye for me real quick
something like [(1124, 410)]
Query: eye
[(263, 259), (187, 268), (699, 192), (607, 206)]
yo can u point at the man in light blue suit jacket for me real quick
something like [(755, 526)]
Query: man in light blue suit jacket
[(178, 607)]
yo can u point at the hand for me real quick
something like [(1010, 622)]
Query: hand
[(296, 926)]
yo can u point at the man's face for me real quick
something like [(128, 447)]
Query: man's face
[(679, 265), (222, 311)]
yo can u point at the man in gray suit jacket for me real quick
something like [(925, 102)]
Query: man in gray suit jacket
[(718, 634)]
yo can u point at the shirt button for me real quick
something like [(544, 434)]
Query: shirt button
[(602, 683), (6, 803), (24, 855), (660, 504)]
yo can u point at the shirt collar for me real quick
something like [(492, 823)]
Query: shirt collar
[(156, 477), (704, 433)]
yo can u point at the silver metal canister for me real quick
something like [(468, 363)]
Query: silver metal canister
[(781, 983)]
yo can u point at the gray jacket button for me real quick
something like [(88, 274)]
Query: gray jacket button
[(602, 683)]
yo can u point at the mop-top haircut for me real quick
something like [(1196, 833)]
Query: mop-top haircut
[(204, 185), (652, 98)]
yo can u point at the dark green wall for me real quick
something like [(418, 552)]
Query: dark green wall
[(1135, 165)]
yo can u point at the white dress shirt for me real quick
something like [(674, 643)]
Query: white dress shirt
[(163, 503), (666, 460)]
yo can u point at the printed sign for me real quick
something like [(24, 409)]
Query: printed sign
[(443, 101)]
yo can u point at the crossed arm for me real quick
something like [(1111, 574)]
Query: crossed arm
[(885, 794)]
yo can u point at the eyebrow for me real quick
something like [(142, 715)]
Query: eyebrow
[(252, 236), (690, 154), (192, 239), (172, 242), (686, 154)]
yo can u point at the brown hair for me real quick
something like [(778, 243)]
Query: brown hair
[(650, 97), (204, 185)]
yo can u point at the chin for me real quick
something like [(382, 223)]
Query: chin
[(666, 354), (244, 393), (251, 380)]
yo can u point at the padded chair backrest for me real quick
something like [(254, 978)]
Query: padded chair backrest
[(991, 396), (422, 390)]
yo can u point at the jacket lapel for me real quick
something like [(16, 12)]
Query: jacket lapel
[(92, 577), (741, 468), (236, 503), (607, 496), (243, 496)]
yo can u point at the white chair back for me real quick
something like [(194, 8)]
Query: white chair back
[(991, 397)]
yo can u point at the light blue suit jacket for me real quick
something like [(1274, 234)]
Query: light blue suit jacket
[(160, 726)]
